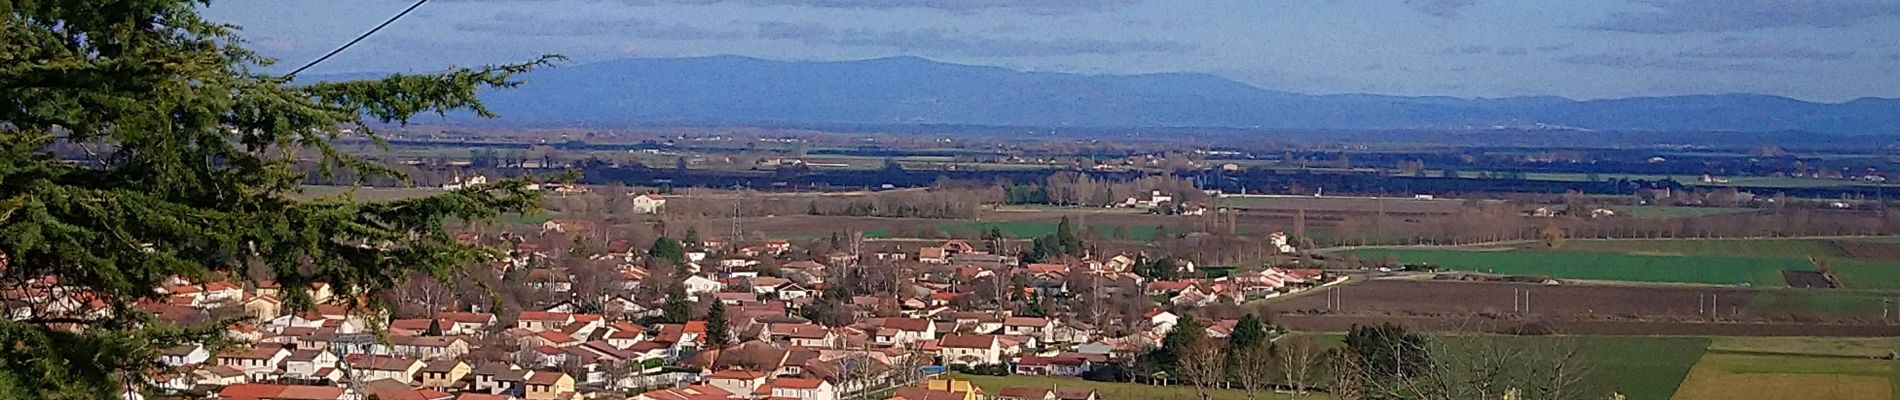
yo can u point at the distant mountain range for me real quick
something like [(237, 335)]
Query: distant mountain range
[(909, 90)]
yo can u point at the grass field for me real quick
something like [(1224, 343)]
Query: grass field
[(1602, 266), (1866, 274), (1780, 248), (1816, 346), (1756, 262), (1111, 391), (1743, 376), (1640, 367)]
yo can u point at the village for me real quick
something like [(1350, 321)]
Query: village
[(764, 320)]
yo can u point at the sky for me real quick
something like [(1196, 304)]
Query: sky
[(1816, 50)]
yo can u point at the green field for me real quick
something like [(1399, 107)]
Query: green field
[(1111, 390), (1641, 367), (1636, 366), (1781, 248), (1756, 262), (1866, 274), (1818, 346), (1601, 266)]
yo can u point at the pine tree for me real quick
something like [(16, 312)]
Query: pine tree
[(718, 333), (139, 141), (1065, 237), (692, 239), (665, 248), (1247, 332), (676, 310)]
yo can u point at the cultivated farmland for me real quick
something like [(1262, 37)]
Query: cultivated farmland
[(1744, 376), (1608, 310), (1756, 262), (1719, 270)]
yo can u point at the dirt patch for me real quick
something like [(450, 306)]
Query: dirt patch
[(1808, 279), (1885, 251)]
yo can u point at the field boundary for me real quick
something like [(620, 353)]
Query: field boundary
[(1786, 353)]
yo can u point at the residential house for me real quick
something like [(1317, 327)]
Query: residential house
[(792, 291), (648, 204), (428, 347), (1025, 393), (264, 308), (970, 350), (543, 321), (1042, 329), (219, 375), (495, 377), (1052, 366), (259, 391), (444, 373), (257, 363), (1072, 332), (804, 335), (697, 285), (1077, 394), (935, 388), (547, 385), (802, 389), (933, 255), (364, 368), (1161, 321), (694, 392), (182, 355), (469, 322), (904, 331), (311, 365), (737, 380), (622, 334)]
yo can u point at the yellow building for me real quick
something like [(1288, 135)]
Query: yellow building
[(939, 389), (444, 373), (548, 385)]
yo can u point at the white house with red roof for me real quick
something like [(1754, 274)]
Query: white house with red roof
[(259, 363), (802, 389), (737, 380), (694, 392), (970, 350), (648, 204)]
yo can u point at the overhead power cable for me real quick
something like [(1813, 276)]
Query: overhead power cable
[(359, 38)]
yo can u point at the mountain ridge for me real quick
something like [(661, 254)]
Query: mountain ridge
[(914, 90)]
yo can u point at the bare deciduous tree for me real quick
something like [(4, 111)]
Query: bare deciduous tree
[(1253, 368), (1204, 366), (1297, 356)]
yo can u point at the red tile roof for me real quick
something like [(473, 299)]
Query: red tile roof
[(968, 341), (797, 383), (737, 374), (907, 324), (545, 378)]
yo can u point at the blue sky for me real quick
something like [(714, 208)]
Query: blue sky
[(1821, 50)]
